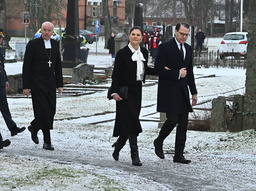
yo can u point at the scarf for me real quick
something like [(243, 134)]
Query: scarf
[(139, 58)]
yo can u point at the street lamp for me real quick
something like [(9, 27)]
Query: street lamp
[(241, 16)]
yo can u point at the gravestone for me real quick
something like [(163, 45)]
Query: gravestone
[(218, 115)]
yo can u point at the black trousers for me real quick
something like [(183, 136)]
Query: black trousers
[(173, 119), (46, 132), (5, 109)]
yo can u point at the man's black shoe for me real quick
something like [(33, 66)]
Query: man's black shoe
[(17, 130), (159, 149), (48, 146), (5, 143), (33, 135), (181, 159)]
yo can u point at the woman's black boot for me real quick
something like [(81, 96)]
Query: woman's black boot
[(119, 144), (134, 150)]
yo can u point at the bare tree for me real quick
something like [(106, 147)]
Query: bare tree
[(198, 12), (44, 10), (249, 121), (107, 23)]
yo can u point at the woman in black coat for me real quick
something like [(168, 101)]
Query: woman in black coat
[(111, 46), (130, 69)]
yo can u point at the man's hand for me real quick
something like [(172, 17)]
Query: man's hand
[(183, 72), (26, 92), (194, 99), (60, 90)]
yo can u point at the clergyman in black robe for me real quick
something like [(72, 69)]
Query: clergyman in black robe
[(42, 74)]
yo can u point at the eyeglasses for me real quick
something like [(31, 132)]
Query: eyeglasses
[(182, 34)]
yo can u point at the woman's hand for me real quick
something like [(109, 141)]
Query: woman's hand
[(6, 84), (117, 97)]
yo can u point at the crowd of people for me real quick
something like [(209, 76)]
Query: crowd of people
[(42, 75), (151, 40)]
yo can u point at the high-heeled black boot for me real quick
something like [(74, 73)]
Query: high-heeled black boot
[(119, 144), (134, 150)]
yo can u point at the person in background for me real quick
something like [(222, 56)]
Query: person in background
[(12, 126), (130, 69), (200, 36), (153, 43), (42, 74), (146, 37), (174, 67), (111, 46)]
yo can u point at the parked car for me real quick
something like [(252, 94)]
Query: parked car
[(55, 35), (159, 28), (149, 28), (234, 44), (89, 35)]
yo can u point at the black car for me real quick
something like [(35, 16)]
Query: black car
[(89, 35)]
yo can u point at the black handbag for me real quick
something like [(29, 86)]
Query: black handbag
[(122, 92)]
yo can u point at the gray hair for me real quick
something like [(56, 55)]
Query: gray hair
[(46, 23)]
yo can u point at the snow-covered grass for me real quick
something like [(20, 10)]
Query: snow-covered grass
[(82, 138)]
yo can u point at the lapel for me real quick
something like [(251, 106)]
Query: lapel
[(175, 47), (177, 51)]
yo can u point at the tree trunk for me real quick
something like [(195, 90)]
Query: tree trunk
[(138, 17), (107, 25), (250, 85), (226, 15)]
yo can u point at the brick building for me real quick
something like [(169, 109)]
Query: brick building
[(88, 10)]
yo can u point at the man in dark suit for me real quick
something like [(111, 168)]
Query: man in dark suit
[(4, 108), (42, 74), (173, 64)]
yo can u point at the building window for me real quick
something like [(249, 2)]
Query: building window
[(101, 9), (89, 9), (95, 9)]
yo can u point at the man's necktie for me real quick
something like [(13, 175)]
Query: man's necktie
[(181, 51)]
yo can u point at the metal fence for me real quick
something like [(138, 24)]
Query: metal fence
[(212, 59)]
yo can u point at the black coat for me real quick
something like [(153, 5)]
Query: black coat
[(171, 90), (111, 45), (42, 80), (124, 74), (200, 36), (36, 70)]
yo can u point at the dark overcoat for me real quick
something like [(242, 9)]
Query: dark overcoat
[(111, 45), (124, 74), (42, 80), (172, 91)]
